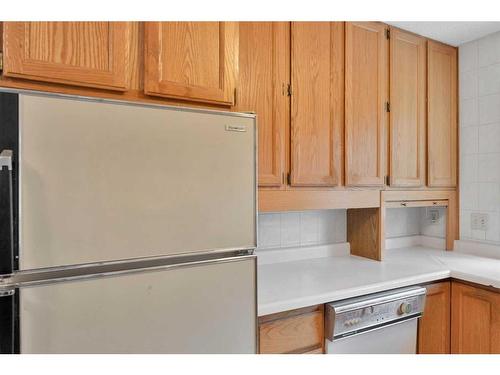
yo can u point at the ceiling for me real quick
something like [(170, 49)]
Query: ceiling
[(454, 33)]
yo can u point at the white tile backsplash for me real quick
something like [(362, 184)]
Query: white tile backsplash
[(489, 196), (488, 167), (489, 138), (479, 64), (469, 196), (469, 115), (489, 109), (305, 228), (488, 50), (468, 84), (468, 168), (468, 54), (469, 140), (290, 229), (412, 221), (489, 80)]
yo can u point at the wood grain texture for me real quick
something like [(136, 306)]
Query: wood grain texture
[(264, 56), (191, 60), (296, 332), (407, 124), (317, 103), (475, 320), (366, 94), (364, 232), (434, 333), (94, 54), (299, 200), (442, 115)]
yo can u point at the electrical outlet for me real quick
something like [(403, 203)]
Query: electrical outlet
[(434, 216), (479, 221)]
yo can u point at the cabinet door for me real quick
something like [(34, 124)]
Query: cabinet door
[(317, 113), (93, 54), (191, 60), (442, 115), (366, 95), (434, 326), (264, 60), (475, 319), (408, 109)]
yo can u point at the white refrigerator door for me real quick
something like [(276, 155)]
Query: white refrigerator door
[(106, 181), (208, 308)]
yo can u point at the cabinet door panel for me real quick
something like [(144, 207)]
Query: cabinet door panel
[(366, 94), (317, 114), (408, 109), (434, 326), (442, 115), (191, 60), (263, 77), (475, 320), (91, 54)]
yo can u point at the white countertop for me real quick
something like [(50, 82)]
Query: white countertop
[(291, 285)]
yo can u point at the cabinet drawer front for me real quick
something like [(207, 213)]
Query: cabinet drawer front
[(298, 334)]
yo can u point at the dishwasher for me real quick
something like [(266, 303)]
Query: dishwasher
[(379, 323)]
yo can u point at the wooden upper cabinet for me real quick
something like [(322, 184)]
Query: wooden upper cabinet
[(191, 60), (408, 109), (434, 326), (442, 115), (366, 96), (475, 319), (93, 54), (264, 57), (317, 97)]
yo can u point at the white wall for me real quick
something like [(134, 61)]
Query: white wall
[(414, 221), (479, 101), (305, 228)]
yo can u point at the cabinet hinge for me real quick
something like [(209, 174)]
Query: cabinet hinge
[(235, 91), (388, 33), (387, 106), (287, 89), (1, 61), (289, 179)]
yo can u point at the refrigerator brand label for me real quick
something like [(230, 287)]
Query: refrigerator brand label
[(236, 128)]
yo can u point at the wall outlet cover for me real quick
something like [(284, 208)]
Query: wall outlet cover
[(434, 216), (479, 221)]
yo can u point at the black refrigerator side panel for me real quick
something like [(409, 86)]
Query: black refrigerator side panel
[(9, 140), (9, 200), (9, 324)]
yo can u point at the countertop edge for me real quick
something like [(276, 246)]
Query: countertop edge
[(280, 306)]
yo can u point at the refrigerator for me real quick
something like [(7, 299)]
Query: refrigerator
[(126, 228)]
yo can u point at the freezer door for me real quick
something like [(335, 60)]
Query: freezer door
[(106, 181), (207, 308)]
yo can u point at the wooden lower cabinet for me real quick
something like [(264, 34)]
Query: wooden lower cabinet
[(434, 326), (475, 320), (298, 331)]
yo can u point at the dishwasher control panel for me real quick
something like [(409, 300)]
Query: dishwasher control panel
[(356, 315)]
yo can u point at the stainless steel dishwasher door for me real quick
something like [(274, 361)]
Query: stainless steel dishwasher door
[(398, 338)]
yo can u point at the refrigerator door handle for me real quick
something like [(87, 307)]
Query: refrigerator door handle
[(7, 292), (7, 263)]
